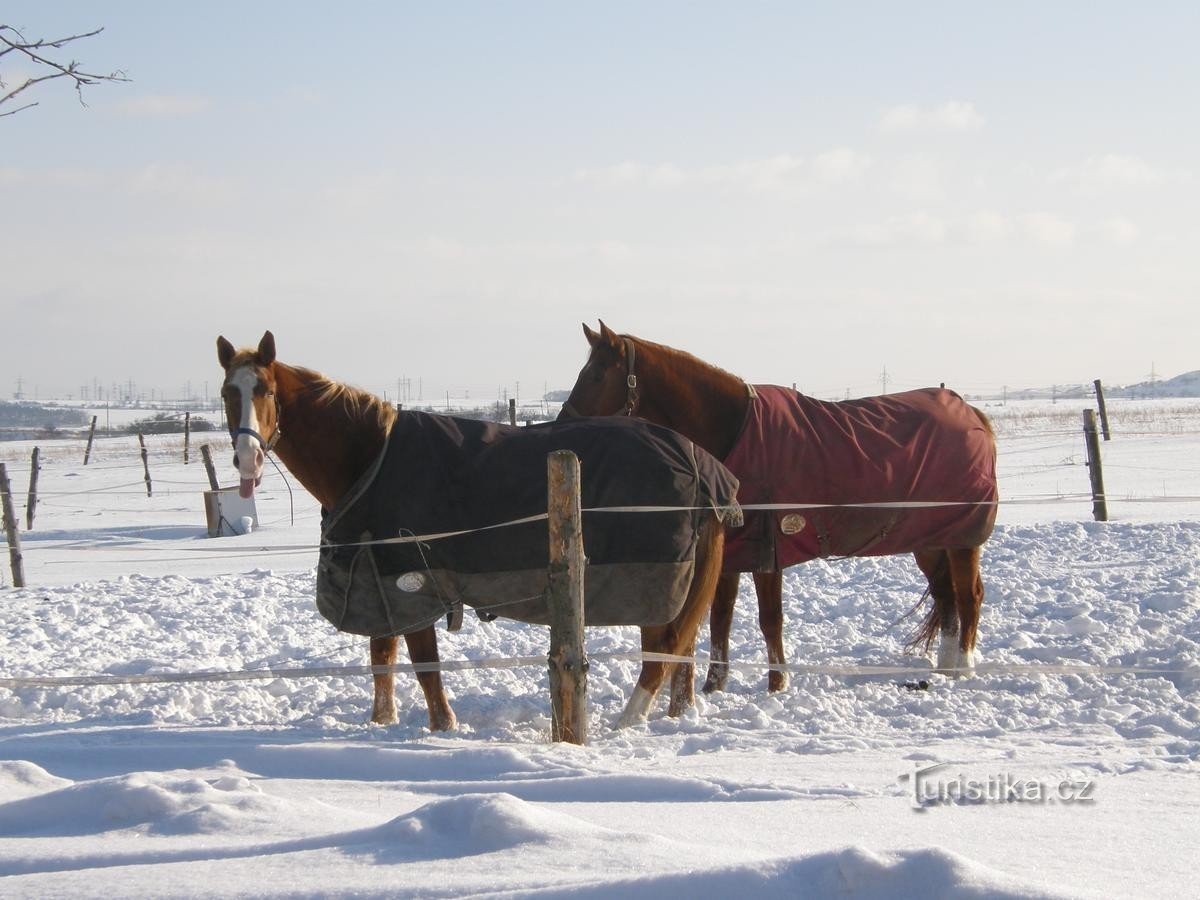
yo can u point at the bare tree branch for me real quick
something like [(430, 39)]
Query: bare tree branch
[(13, 41)]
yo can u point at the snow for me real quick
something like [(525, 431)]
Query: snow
[(280, 787)]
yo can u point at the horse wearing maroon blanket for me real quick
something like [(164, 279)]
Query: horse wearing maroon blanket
[(912, 472)]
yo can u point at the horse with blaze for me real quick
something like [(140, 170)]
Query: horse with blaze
[(335, 439)]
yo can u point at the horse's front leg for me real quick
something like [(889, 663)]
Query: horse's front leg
[(383, 653), (769, 586), (719, 623), (422, 648)]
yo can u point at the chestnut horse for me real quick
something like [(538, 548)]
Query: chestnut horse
[(328, 434), (629, 375)]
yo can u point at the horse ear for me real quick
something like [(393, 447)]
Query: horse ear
[(592, 337), (608, 335), (266, 349), (225, 351)]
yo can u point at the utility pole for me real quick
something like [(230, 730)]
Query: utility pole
[(883, 378)]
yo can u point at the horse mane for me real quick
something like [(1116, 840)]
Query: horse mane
[(322, 392), (673, 355)]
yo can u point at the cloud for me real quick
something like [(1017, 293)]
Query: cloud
[(952, 116), (841, 164), (1047, 228), (1118, 230), (164, 106), (1113, 170), (916, 228), (765, 174)]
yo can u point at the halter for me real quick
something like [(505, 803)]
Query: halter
[(267, 446), (631, 396)]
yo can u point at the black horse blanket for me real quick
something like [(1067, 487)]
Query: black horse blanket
[(402, 548), (923, 446)]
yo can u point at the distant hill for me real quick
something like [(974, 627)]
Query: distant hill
[(1185, 385)]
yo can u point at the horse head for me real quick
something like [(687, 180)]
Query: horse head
[(607, 383), (251, 407)]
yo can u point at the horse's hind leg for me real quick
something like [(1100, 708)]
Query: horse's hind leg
[(769, 587), (957, 593), (719, 622), (678, 637), (942, 620), (968, 600)]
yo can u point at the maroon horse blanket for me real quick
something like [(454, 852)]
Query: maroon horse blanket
[(918, 446)]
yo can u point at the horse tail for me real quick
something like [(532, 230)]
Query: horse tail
[(941, 607)]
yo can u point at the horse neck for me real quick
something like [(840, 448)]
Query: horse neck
[(323, 442), (686, 394)]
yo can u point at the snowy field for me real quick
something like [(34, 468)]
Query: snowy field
[(1069, 766)]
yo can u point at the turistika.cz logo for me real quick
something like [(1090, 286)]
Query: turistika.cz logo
[(928, 789)]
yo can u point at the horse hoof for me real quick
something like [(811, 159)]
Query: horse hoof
[(776, 682), (715, 680)]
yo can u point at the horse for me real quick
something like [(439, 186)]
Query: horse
[(328, 434), (734, 421)]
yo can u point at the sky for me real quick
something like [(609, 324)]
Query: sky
[(430, 199)]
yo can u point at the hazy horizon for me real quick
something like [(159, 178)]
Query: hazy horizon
[(981, 196)]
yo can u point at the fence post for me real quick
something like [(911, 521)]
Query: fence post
[(10, 530), (512, 411), (187, 436), (145, 464), (564, 590), (206, 453), (1099, 504), (91, 437), (31, 501), (1103, 411)]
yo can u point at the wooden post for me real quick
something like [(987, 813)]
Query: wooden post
[(564, 591), (512, 411), (208, 467), (10, 530), (1099, 504), (31, 500), (1103, 411), (91, 437), (145, 464), (187, 436)]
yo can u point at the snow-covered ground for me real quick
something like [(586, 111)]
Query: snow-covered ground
[(279, 786)]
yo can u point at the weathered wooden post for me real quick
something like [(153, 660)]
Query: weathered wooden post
[(206, 453), (31, 500), (10, 530), (512, 411), (91, 437), (187, 436), (1099, 504), (564, 591), (1103, 411), (145, 464)]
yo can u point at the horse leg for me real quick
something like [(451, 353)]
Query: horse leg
[(719, 622), (944, 619), (769, 587), (422, 648), (383, 653), (968, 600), (678, 637)]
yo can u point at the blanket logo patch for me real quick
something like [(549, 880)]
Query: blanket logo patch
[(411, 582), (792, 523)]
